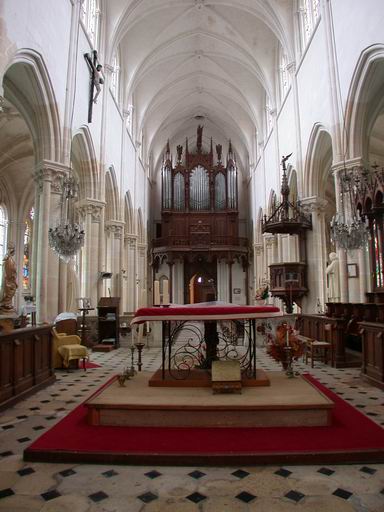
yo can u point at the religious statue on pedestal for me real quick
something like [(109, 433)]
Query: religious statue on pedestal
[(333, 278), (9, 284)]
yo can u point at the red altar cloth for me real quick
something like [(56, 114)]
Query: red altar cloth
[(204, 312)]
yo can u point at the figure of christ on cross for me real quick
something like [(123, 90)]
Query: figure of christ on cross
[(96, 80)]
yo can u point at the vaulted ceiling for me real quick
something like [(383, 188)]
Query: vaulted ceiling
[(190, 62)]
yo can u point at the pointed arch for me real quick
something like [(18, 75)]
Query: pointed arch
[(83, 158), (292, 183), (140, 227), (111, 195), (318, 161), (28, 87), (128, 213), (365, 100)]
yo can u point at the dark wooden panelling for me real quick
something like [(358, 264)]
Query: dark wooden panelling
[(25, 362)]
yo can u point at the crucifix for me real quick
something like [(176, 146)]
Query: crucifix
[(97, 80)]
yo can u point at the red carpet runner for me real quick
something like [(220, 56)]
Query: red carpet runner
[(352, 437), (88, 365)]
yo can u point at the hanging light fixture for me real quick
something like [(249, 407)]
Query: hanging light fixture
[(67, 237), (348, 228)]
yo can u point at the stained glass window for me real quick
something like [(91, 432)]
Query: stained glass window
[(284, 74), (115, 77), (309, 14), (3, 236), (378, 254)]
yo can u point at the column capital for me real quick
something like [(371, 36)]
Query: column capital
[(314, 204), (91, 207), (116, 227), (349, 165), (131, 240), (52, 172)]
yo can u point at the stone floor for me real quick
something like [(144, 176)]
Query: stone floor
[(30, 487)]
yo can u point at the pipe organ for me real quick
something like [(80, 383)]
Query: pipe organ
[(199, 210)]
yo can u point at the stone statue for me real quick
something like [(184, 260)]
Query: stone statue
[(333, 278), (9, 284)]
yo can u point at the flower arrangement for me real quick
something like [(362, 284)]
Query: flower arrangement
[(262, 292), (286, 336)]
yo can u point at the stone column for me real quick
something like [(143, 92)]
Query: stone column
[(90, 211), (130, 241), (141, 269), (316, 252), (49, 177), (115, 228)]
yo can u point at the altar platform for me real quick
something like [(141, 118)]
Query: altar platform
[(285, 403)]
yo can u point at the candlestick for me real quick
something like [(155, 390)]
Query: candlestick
[(156, 293), (287, 338), (165, 292), (140, 336)]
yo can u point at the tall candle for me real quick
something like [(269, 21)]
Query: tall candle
[(287, 335), (165, 292), (156, 293)]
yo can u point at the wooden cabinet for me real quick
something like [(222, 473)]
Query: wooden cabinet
[(373, 352), (108, 320), (25, 363)]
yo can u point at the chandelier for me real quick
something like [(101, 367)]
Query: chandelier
[(67, 237), (348, 227)]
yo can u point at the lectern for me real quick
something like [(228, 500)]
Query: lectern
[(108, 321)]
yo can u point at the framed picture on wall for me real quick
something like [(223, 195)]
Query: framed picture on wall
[(353, 270)]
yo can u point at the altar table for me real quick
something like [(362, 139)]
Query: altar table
[(175, 318)]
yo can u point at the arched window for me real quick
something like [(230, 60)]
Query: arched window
[(268, 114), (309, 14), (284, 74), (3, 236), (115, 77), (28, 228), (90, 16)]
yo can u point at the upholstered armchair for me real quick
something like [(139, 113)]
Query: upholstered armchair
[(67, 347)]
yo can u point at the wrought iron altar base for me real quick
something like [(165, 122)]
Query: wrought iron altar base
[(203, 347)]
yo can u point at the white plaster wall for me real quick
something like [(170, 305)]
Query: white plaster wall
[(30, 24), (357, 25), (287, 130), (314, 89), (113, 140)]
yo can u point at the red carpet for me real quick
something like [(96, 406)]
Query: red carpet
[(351, 438), (89, 365)]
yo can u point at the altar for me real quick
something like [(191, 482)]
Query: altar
[(195, 335), (180, 394)]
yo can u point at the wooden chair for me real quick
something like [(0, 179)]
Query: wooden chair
[(320, 351), (67, 348)]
